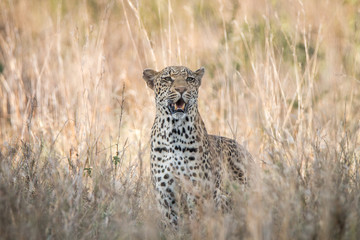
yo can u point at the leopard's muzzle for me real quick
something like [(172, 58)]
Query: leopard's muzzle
[(178, 108)]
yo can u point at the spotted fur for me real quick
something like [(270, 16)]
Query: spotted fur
[(187, 163)]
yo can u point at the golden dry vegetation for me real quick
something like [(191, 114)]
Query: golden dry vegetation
[(282, 77)]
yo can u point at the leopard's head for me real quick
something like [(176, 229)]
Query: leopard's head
[(176, 89)]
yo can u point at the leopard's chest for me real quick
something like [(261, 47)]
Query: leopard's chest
[(177, 152)]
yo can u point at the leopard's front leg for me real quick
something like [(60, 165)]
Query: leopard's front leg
[(164, 185)]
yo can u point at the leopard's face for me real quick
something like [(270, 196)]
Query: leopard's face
[(176, 90)]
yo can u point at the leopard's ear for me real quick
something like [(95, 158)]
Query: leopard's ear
[(200, 73), (149, 76)]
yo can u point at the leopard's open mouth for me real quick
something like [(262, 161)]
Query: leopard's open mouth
[(178, 107)]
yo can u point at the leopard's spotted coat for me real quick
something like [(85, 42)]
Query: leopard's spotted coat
[(187, 162)]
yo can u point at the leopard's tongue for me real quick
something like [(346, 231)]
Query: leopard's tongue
[(180, 105)]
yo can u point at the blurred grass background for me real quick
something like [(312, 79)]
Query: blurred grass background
[(282, 77)]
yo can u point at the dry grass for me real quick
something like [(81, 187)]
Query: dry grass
[(281, 77)]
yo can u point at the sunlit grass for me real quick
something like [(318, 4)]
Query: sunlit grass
[(282, 78)]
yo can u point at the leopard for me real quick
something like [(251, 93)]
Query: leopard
[(186, 163)]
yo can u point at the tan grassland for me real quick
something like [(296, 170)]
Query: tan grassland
[(282, 77)]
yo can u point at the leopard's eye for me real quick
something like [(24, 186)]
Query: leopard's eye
[(190, 79), (168, 79)]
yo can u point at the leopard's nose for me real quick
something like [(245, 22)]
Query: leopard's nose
[(181, 90)]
